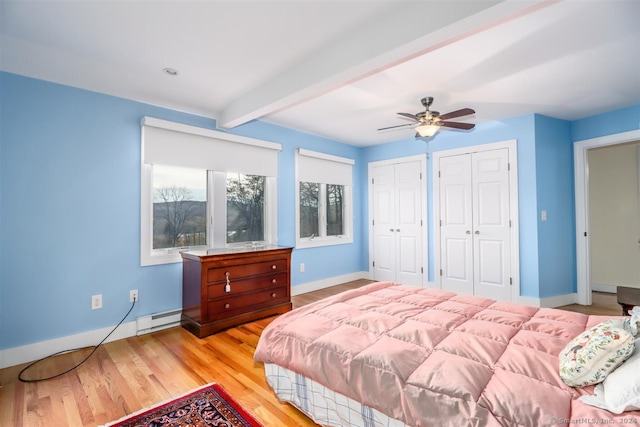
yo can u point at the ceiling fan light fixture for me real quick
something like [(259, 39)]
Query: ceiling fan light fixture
[(427, 130)]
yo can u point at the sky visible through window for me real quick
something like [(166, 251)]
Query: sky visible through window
[(193, 179)]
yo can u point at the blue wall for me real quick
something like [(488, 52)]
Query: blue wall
[(606, 124), (555, 181), (70, 204), (70, 210)]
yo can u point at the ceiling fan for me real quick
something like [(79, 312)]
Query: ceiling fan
[(429, 122)]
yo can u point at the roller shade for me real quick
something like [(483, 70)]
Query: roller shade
[(324, 168), (175, 144)]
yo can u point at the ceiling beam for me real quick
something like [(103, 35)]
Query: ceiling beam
[(415, 28)]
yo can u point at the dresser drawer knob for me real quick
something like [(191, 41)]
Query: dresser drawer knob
[(273, 281), (273, 295), (227, 305), (273, 267)]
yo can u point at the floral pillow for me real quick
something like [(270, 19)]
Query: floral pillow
[(595, 353)]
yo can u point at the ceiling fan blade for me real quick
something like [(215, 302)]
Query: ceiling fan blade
[(410, 116), (397, 126), (457, 125), (457, 113)]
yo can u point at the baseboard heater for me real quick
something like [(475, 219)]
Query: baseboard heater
[(157, 322)]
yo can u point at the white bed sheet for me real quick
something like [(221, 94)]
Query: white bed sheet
[(321, 404)]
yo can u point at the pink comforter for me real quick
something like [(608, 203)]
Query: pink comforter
[(435, 358)]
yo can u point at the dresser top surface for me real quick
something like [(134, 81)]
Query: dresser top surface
[(233, 250)]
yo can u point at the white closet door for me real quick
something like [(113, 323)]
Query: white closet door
[(492, 240), (408, 224), (475, 230), (384, 242), (456, 215), (397, 227)]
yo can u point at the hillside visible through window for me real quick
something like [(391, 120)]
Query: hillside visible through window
[(180, 207)]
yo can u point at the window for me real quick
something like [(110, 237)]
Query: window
[(203, 188), (323, 199), (321, 210), (334, 211), (309, 209), (179, 207), (245, 208)]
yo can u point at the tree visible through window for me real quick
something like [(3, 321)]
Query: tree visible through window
[(245, 208), (335, 210), (322, 209), (179, 207), (180, 199), (309, 205)]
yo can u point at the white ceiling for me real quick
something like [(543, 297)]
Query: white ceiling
[(339, 69)]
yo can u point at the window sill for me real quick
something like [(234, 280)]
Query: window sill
[(320, 242), (165, 256)]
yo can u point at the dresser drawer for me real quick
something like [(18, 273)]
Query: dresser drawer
[(219, 274), (239, 286), (226, 307)]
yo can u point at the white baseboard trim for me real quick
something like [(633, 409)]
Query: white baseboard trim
[(602, 287), (327, 283), (559, 300), (548, 302), (30, 352)]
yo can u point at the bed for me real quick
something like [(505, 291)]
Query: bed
[(393, 355)]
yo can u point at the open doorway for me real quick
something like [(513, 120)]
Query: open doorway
[(593, 215)]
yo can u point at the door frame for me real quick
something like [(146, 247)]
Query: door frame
[(512, 146), (581, 179), (422, 158)]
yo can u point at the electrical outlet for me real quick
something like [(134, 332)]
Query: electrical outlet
[(301, 267), (133, 295), (96, 302)]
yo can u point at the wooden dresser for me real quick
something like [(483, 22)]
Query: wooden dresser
[(222, 288)]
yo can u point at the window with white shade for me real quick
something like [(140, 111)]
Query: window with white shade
[(204, 188), (323, 199)]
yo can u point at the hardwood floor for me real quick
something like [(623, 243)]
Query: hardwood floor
[(131, 374), (602, 303)]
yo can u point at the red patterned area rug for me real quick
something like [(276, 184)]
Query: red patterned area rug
[(207, 406)]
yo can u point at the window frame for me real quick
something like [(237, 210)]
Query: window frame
[(323, 239), (216, 208), (216, 198)]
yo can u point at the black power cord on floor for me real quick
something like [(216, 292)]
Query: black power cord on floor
[(35, 380)]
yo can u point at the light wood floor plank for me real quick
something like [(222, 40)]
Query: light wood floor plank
[(128, 375)]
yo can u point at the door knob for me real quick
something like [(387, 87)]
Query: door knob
[(477, 231), (468, 231)]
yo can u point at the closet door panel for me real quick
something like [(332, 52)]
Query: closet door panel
[(456, 245), (491, 226), (384, 223), (408, 267), (397, 227), (456, 276), (409, 223)]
